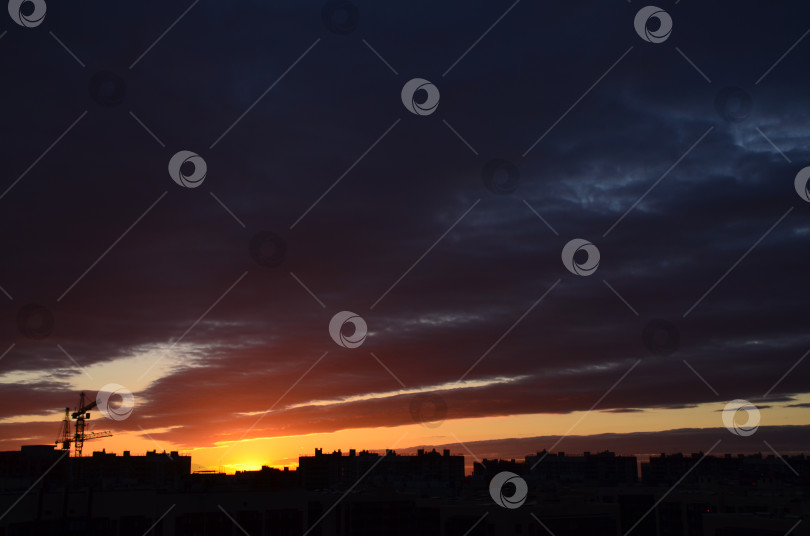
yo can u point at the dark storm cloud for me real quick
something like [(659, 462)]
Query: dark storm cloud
[(398, 200)]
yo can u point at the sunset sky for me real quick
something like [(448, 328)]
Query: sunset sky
[(388, 214)]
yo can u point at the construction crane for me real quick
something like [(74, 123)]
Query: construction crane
[(78, 437)]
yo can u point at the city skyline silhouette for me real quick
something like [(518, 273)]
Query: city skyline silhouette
[(241, 232)]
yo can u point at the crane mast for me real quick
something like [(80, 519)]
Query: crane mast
[(78, 436)]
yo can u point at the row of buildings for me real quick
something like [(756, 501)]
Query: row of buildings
[(426, 494)]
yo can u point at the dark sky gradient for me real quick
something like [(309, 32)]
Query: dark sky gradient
[(398, 200)]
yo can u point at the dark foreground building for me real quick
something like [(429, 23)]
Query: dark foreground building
[(427, 471), (43, 492)]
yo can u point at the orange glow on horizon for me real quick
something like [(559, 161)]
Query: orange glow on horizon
[(283, 451)]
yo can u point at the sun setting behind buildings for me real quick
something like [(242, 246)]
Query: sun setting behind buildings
[(461, 264)]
